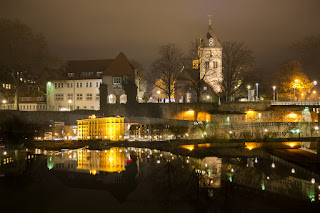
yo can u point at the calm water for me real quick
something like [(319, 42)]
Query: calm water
[(134, 179)]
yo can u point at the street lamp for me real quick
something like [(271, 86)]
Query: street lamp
[(248, 92), (158, 92), (274, 93), (69, 101), (257, 87), (4, 102), (294, 92)]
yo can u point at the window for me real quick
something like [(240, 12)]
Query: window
[(70, 74), (70, 85), (116, 80), (79, 84), (70, 96), (205, 88), (97, 97), (98, 84), (89, 96), (207, 64), (79, 96), (55, 85), (61, 85), (215, 64), (89, 84), (99, 73), (58, 96)]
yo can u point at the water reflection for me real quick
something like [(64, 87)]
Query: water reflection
[(161, 175), (89, 161)]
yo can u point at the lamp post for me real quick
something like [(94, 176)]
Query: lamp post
[(274, 93), (158, 92), (69, 101), (257, 87), (248, 93), (4, 102), (294, 92)]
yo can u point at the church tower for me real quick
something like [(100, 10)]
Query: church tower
[(211, 60)]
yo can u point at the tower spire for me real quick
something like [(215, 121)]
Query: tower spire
[(210, 16)]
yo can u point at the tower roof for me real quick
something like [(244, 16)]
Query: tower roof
[(210, 34)]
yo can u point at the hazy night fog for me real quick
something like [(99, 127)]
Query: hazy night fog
[(78, 29)]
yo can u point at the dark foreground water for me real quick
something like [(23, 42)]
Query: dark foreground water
[(144, 180)]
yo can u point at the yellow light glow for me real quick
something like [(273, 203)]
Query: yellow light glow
[(93, 172), (189, 147), (252, 145), (190, 111), (296, 80), (293, 144)]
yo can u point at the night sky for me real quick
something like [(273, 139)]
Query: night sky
[(95, 29)]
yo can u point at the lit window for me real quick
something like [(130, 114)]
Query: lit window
[(97, 97), (205, 88), (116, 80)]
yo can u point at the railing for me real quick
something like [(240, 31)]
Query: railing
[(297, 103)]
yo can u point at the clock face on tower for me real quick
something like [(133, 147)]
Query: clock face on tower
[(211, 42)]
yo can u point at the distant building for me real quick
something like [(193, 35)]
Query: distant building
[(111, 128), (26, 104), (78, 86)]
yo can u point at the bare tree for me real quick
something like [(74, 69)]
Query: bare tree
[(190, 80), (236, 60), (23, 55), (166, 68)]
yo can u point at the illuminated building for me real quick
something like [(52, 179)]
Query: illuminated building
[(111, 128)]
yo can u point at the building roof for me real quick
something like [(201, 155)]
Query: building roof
[(119, 67), (95, 69)]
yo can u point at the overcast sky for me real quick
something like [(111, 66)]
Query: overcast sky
[(97, 29)]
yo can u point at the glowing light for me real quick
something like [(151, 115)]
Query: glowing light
[(273, 165), (268, 178), (187, 161), (4, 153), (158, 161), (316, 128), (266, 130), (190, 111), (274, 87), (313, 181), (293, 171), (232, 170), (93, 172)]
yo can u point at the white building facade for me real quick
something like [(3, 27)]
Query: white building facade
[(66, 95)]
